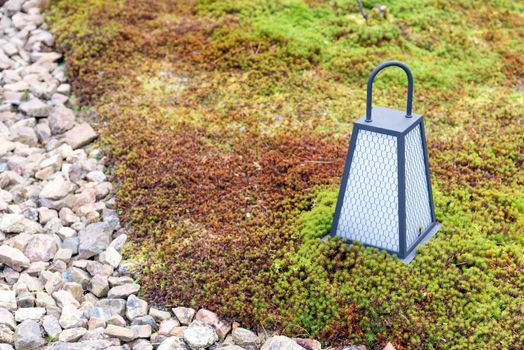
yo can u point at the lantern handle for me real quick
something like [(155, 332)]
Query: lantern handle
[(370, 86)]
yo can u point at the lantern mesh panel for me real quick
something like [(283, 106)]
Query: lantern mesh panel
[(418, 213), (369, 212)]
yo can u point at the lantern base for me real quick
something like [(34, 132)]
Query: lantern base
[(433, 231), (427, 236)]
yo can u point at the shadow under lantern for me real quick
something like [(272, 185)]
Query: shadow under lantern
[(385, 199)]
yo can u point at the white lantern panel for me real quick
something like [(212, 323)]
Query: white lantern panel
[(418, 212), (369, 212)]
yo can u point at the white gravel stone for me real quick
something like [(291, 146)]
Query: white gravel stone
[(61, 119), (244, 337), (65, 298), (94, 239), (111, 257), (41, 247), (123, 291), (70, 317), (159, 315), (28, 336), (122, 333), (6, 146), (56, 188), (8, 299), (199, 335), (72, 334), (51, 326), (80, 135), (63, 254), (99, 286), (29, 313), (7, 335), (13, 223), (6, 317), (167, 326), (173, 343), (184, 314), (135, 307), (281, 343), (13, 257), (35, 108)]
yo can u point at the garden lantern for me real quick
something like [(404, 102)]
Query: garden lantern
[(385, 199)]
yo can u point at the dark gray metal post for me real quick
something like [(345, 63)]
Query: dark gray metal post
[(401, 159)]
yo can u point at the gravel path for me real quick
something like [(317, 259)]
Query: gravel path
[(62, 281)]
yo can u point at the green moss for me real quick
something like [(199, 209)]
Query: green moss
[(316, 222)]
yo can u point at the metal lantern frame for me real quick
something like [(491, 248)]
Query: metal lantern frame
[(397, 124)]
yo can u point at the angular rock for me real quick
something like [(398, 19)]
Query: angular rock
[(184, 314), (7, 335), (122, 333), (94, 239), (389, 346), (63, 254), (56, 189), (111, 257), (75, 289), (136, 307), (116, 306), (99, 286), (28, 336), (117, 320), (72, 334), (30, 282), (51, 326), (159, 315), (141, 344), (29, 313), (44, 300), (103, 313), (115, 281), (70, 317), (61, 119), (80, 135), (173, 343), (65, 298), (6, 146), (280, 343), (244, 337), (95, 322), (41, 248), (199, 335), (7, 318), (123, 291), (35, 108), (13, 223), (308, 344), (8, 299), (230, 347), (141, 331), (46, 214), (13, 6), (167, 326), (13, 258)]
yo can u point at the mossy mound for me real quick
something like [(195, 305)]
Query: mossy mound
[(228, 123)]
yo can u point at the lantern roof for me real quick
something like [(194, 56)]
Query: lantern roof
[(389, 121)]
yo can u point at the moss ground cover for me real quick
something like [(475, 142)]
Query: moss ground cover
[(228, 122)]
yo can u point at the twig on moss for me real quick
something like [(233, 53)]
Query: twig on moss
[(362, 12)]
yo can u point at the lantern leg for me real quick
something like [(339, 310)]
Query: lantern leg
[(426, 236)]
